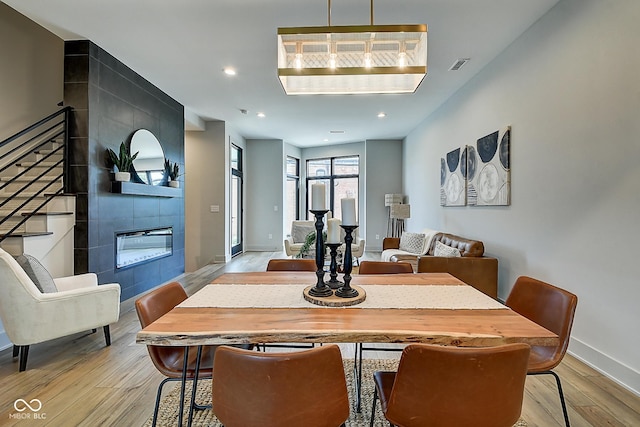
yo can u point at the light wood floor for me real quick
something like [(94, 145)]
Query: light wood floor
[(80, 382)]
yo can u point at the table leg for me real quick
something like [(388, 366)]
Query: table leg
[(195, 386), (357, 375), (359, 381), (185, 365)]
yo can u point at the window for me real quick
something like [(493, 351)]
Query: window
[(236, 199), (292, 211), (341, 177)]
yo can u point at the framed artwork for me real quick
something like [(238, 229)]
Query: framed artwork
[(488, 170), (452, 181)]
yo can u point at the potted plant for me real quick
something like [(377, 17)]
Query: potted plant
[(310, 240), (173, 172), (123, 161)]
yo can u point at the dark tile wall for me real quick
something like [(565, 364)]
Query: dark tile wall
[(110, 102)]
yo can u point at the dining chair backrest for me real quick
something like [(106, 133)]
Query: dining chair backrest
[(384, 267), (304, 388), (292, 265), (550, 307), (459, 386), (150, 307)]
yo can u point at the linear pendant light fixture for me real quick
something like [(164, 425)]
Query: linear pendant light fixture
[(352, 59)]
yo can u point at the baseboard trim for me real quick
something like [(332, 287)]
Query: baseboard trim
[(5, 343), (616, 371), (264, 248)]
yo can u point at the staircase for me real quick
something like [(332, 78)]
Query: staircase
[(37, 215)]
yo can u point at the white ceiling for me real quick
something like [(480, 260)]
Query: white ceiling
[(182, 46)]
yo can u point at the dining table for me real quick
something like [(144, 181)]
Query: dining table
[(268, 307)]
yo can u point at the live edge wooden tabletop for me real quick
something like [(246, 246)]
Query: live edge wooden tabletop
[(469, 327)]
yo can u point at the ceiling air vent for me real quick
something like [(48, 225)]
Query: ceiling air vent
[(459, 63)]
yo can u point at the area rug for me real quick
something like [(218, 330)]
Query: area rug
[(168, 413)]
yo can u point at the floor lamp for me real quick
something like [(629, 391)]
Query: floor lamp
[(389, 200), (398, 214)]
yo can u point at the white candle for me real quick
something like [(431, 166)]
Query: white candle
[(318, 197), (348, 211), (333, 230)]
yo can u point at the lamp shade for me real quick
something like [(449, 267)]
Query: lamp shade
[(399, 211), (392, 199), (352, 59)]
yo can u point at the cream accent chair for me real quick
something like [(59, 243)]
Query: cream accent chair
[(357, 246), (31, 317), (299, 231)]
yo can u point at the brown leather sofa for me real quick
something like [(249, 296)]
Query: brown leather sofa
[(472, 267)]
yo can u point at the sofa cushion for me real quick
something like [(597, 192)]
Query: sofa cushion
[(446, 251), (37, 273), (467, 247), (412, 243)]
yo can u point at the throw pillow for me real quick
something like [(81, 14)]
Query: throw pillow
[(446, 251), (412, 242), (37, 273), (299, 232)]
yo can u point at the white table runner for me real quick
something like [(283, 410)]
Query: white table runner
[(378, 296)]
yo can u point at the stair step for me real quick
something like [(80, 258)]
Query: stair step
[(25, 234), (52, 157), (33, 164)]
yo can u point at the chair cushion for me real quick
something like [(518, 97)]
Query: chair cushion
[(445, 251), (37, 273), (412, 242)]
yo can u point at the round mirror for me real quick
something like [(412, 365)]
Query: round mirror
[(149, 165)]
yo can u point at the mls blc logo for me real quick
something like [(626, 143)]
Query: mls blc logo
[(34, 406)]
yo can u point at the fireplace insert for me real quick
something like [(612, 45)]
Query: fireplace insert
[(137, 247)]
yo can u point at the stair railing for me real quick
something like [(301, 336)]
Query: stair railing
[(16, 149)]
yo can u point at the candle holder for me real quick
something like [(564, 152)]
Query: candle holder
[(334, 283), (346, 291), (320, 289)]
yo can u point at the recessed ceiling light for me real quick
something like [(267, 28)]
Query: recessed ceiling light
[(336, 131), (381, 115), (260, 114), (229, 71), (326, 140)]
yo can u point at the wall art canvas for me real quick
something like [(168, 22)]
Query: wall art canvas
[(488, 170), (452, 181)]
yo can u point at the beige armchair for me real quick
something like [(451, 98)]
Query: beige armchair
[(299, 231), (357, 246), (75, 304)]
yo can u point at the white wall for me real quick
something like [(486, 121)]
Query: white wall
[(569, 89), (31, 77), (205, 184), (264, 191), (382, 175)]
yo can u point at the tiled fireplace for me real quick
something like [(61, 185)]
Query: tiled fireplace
[(110, 101)]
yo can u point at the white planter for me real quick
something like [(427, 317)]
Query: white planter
[(174, 184), (123, 176)]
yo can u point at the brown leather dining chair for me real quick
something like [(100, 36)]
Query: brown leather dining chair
[(384, 267), (375, 267), (294, 264), (552, 308), (170, 360), (303, 388), (291, 265), (446, 386)]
